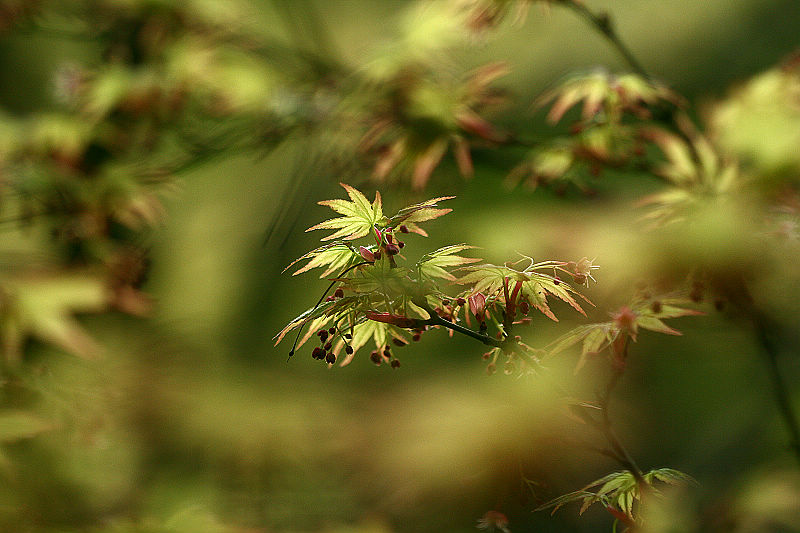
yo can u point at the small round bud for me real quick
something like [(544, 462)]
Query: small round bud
[(328, 345), (403, 229), (376, 254), (375, 357), (316, 352), (323, 335), (339, 293), (348, 350), (395, 363), (330, 358), (401, 244), (387, 352), (348, 336), (416, 337), (656, 306), (332, 330), (525, 308)]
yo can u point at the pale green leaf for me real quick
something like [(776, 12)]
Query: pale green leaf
[(16, 425)]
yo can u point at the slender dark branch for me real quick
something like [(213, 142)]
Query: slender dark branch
[(621, 454), (771, 352), (436, 320), (603, 23), (324, 294)]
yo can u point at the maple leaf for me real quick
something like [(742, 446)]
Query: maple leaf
[(43, 307), (535, 286), (336, 256), (599, 89), (642, 313), (381, 334), (360, 216), (421, 212), (432, 264)]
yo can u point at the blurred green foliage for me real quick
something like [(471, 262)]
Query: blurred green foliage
[(160, 159)]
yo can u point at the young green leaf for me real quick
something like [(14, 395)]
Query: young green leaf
[(421, 212), (336, 256), (360, 216), (432, 265)]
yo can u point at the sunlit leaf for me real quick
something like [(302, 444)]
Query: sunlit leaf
[(360, 216), (16, 425), (336, 256), (432, 265)]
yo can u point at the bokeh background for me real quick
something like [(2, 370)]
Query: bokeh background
[(191, 420)]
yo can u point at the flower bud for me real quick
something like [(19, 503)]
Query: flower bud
[(339, 293), (403, 229), (348, 350), (330, 358), (366, 254), (395, 363)]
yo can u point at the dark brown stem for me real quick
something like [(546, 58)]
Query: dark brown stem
[(620, 453), (436, 320), (781, 391), (603, 23)]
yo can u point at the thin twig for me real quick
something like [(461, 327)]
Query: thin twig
[(621, 453), (785, 407), (603, 23)]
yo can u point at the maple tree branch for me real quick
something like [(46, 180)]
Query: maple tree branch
[(602, 22), (782, 396), (620, 453), (436, 320)]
